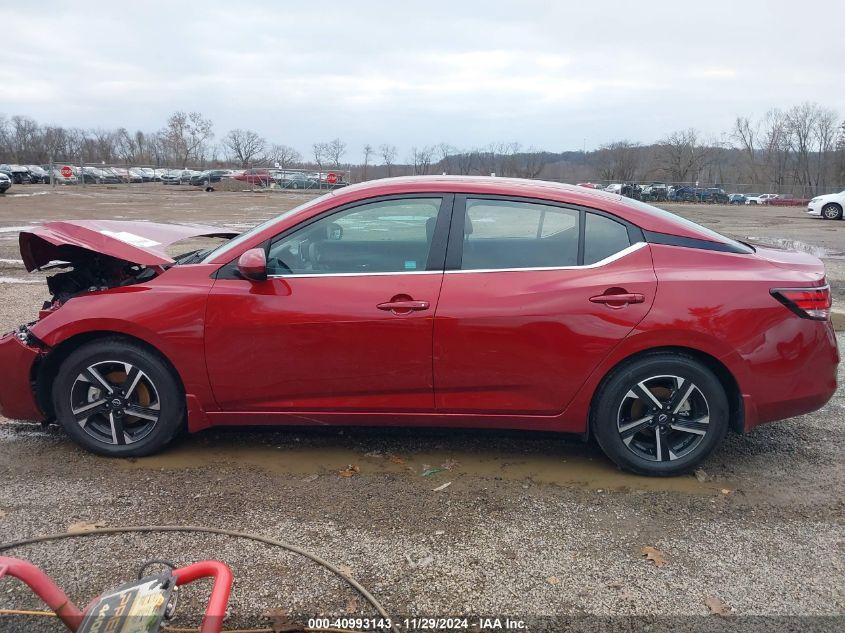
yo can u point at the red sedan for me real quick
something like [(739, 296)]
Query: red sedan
[(445, 301)]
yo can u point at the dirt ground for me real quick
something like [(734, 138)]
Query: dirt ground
[(532, 525)]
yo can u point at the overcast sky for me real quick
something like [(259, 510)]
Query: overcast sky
[(555, 75)]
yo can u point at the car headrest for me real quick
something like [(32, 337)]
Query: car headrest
[(429, 228)]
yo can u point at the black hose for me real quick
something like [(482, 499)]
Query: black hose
[(207, 530)]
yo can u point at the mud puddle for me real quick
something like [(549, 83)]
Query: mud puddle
[(574, 465)]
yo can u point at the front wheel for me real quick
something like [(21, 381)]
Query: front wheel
[(118, 399), (662, 414), (832, 212)]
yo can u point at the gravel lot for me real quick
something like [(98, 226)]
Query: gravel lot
[(531, 525)]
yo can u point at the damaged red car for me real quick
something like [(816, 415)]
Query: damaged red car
[(439, 301)]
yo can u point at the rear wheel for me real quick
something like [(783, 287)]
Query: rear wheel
[(118, 399), (832, 211), (660, 415)]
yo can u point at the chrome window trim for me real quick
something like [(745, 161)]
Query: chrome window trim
[(602, 262), (373, 274)]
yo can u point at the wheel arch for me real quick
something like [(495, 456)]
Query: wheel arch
[(723, 374), (45, 371)]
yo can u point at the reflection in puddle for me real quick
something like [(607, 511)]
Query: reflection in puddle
[(797, 245), (561, 464)]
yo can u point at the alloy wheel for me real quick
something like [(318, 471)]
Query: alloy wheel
[(831, 212), (115, 402), (663, 418)]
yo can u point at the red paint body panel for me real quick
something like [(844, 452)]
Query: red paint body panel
[(321, 343), (17, 400), (505, 349), (522, 342)]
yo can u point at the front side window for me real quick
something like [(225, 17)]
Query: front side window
[(500, 234), (385, 236)]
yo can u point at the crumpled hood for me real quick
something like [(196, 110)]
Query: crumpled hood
[(141, 243)]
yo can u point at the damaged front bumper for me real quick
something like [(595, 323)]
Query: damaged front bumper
[(17, 358)]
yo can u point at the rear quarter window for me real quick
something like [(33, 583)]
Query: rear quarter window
[(603, 237)]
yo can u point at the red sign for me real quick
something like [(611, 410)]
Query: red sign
[(66, 172), (331, 178)]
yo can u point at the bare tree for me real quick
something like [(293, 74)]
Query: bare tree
[(245, 146), (321, 151), (284, 156), (334, 151), (618, 161), (421, 159), (368, 152), (777, 146), (746, 134), (444, 154), (186, 134), (465, 161), (682, 155), (824, 134), (388, 157), (531, 163)]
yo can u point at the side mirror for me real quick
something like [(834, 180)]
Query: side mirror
[(252, 265)]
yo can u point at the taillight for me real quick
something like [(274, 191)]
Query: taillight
[(808, 303)]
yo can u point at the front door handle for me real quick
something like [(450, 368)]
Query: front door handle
[(403, 306), (620, 299)]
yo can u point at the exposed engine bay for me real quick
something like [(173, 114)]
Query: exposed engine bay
[(92, 273)]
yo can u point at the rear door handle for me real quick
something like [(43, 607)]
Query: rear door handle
[(631, 297), (403, 306)]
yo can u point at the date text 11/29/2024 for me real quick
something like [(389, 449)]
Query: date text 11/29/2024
[(422, 624)]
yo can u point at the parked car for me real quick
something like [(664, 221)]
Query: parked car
[(788, 201), (763, 198), (209, 177), (712, 195), (590, 185), (412, 301), (655, 192), (828, 206), (261, 177), (631, 190), (296, 180), (682, 194), (172, 177), (18, 173), (38, 175), (5, 182), (736, 198), (147, 173), (614, 188)]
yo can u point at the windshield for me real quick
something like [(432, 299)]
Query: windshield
[(246, 236)]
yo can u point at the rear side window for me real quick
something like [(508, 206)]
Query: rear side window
[(502, 234), (603, 237)]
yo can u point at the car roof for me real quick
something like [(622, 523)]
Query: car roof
[(645, 216)]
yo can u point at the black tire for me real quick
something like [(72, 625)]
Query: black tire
[(616, 413), (832, 211), (164, 399)]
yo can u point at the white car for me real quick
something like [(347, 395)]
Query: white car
[(828, 206), (763, 198), (614, 188)]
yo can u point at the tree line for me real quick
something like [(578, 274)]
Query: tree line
[(801, 149)]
